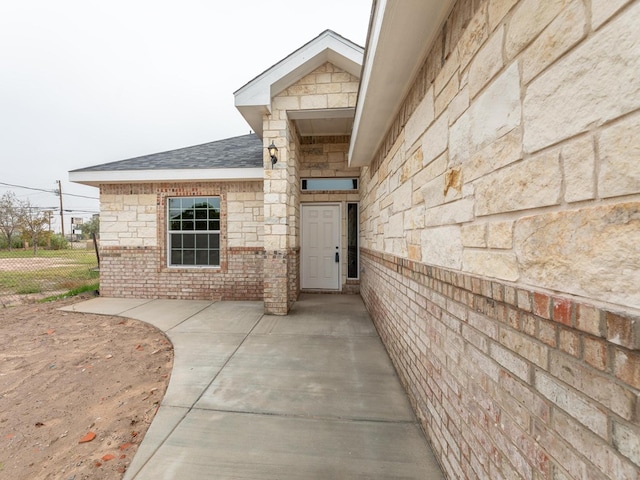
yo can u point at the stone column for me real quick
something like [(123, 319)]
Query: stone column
[(276, 221)]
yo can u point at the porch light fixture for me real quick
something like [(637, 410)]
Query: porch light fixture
[(272, 152)]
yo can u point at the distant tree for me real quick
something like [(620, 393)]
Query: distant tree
[(33, 223), (90, 227), (11, 213)]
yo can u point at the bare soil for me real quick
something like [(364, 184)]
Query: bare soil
[(33, 263), (65, 376)]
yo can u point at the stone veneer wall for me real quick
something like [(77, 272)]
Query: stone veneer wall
[(501, 240), (326, 87), (133, 260)]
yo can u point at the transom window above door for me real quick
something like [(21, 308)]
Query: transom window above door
[(194, 231), (340, 184)]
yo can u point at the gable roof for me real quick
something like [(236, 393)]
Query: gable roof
[(253, 100), (232, 158)]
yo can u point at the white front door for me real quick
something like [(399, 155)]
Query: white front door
[(320, 252)]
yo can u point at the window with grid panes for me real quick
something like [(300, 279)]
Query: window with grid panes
[(194, 231)]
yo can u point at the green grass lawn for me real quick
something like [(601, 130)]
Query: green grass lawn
[(48, 271)]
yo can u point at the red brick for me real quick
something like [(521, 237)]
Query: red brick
[(595, 352), (626, 366), (569, 342), (541, 305), (623, 330), (589, 319), (562, 311)]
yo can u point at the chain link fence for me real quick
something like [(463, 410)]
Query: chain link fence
[(27, 274)]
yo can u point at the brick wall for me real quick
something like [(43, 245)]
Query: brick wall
[(133, 256), (509, 382), (501, 257)]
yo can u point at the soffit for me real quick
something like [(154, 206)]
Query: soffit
[(400, 36)]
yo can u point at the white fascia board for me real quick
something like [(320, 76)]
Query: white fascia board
[(402, 33), (95, 178), (254, 98)]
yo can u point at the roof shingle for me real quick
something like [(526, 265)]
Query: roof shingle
[(245, 151)]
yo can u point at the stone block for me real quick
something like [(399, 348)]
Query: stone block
[(459, 211), (532, 183), (421, 118), (592, 252), (578, 160), (563, 32), (500, 235), (441, 246), (494, 113), (473, 37), (497, 11), (619, 149), (310, 102), (486, 63), (434, 140), (500, 265), (603, 10), (459, 104), (335, 100), (503, 151), (447, 94), (451, 65), (474, 235), (528, 20), (594, 83), (286, 103)]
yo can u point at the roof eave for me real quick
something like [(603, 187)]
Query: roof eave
[(253, 100), (400, 36), (97, 178)]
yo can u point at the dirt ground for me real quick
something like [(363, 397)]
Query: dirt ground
[(65, 377)]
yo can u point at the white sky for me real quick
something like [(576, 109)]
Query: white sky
[(84, 82)]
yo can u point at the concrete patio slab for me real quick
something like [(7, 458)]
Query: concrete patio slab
[(202, 356), (312, 395), (224, 445), (106, 306), (223, 317), (166, 314), (166, 420), (345, 377)]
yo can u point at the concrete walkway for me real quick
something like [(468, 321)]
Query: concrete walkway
[(311, 395)]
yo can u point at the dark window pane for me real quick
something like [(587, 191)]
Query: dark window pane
[(176, 257), (214, 214), (202, 241), (214, 240), (352, 240), (175, 225), (187, 225), (188, 241), (176, 240), (188, 257), (201, 224), (201, 214), (202, 257), (214, 257), (214, 225)]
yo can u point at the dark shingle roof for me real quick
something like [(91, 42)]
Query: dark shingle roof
[(245, 151)]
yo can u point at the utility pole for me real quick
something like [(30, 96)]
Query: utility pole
[(61, 210)]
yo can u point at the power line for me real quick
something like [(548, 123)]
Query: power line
[(54, 192)]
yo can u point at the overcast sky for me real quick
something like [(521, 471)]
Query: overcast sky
[(85, 82)]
